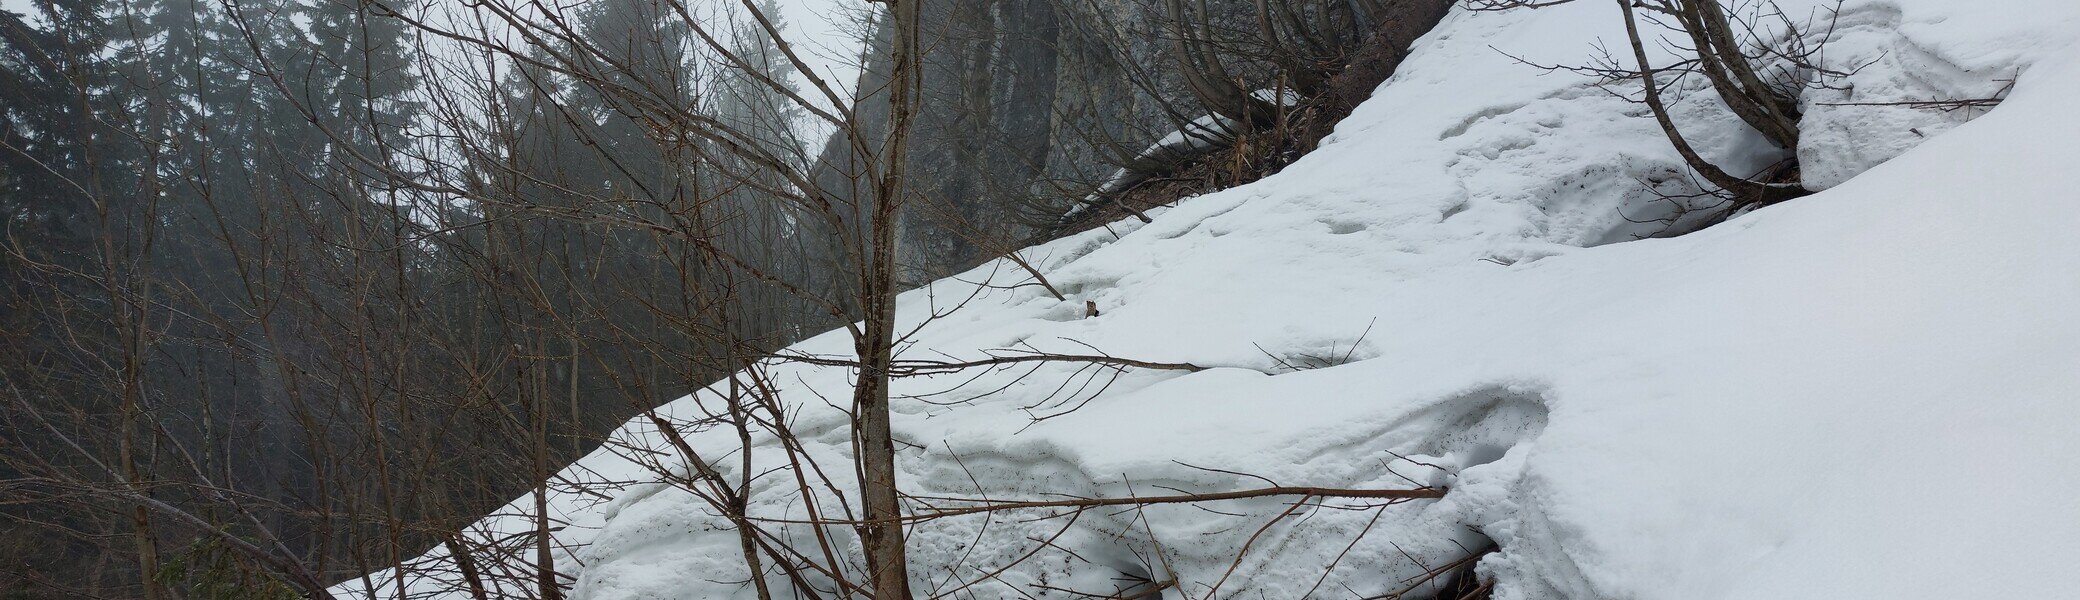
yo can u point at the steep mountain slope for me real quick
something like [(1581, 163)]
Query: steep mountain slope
[(1868, 392)]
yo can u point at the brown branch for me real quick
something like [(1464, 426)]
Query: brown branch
[(1746, 191), (912, 368), (1284, 490), (1502, 5), (1943, 105)]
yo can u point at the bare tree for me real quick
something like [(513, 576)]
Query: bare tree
[(1757, 70)]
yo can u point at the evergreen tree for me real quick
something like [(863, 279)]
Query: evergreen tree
[(51, 87)]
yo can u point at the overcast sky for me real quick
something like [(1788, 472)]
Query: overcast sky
[(26, 7)]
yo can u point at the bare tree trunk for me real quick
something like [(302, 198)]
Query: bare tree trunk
[(545, 545), (1742, 189), (1733, 76), (883, 534), (467, 564), (140, 517), (128, 289), (1203, 73)]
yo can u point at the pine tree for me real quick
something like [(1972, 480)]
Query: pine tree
[(51, 86)]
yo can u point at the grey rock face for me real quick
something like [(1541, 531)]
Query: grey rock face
[(1029, 106), (1026, 106)]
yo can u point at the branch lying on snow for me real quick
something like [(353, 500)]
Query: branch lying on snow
[(989, 506), (1945, 105), (1459, 580), (913, 367), (1502, 5)]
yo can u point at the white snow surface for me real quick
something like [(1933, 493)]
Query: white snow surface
[(1865, 393)]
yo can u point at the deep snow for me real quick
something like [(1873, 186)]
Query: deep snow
[(1865, 393)]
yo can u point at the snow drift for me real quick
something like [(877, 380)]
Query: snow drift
[(1869, 392)]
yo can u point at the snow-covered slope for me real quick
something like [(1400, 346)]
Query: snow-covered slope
[(1866, 393)]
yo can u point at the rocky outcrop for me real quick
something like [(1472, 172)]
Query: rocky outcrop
[(1031, 105)]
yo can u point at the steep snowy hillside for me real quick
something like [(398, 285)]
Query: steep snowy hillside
[(1866, 393)]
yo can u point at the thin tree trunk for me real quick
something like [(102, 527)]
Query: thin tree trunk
[(545, 546), (467, 564), (1733, 77), (1739, 187), (131, 324), (883, 535)]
